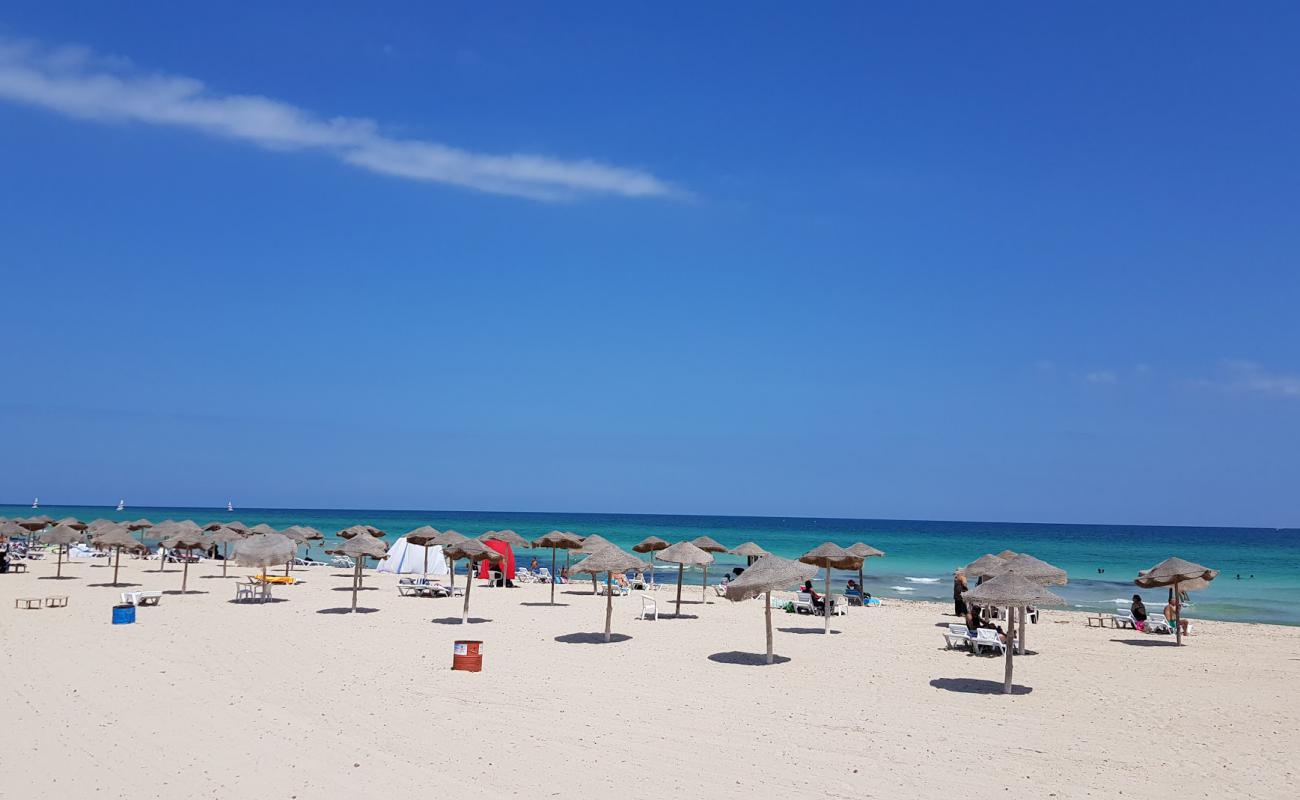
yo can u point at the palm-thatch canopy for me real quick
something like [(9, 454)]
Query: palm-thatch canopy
[(749, 550), (709, 545), (362, 547), (446, 539), (511, 538), (1010, 590), (1026, 566), (11, 528), (471, 549), (360, 530), (650, 544), (62, 535), (73, 522), (139, 524), (234, 525), (985, 566), (609, 560), (183, 538), (559, 540), (831, 556), (264, 550), (593, 543), (685, 553), (292, 532), (310, 534), (1175, 570), (1008, 554), (225, 536), (114, 536), (865, 550), (35, 523), (764, 576), (422, 535), (101, 524), (262, 528)]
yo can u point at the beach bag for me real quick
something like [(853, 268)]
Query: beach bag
[(789, 607)]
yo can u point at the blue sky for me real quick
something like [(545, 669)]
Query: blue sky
[(961, 262)]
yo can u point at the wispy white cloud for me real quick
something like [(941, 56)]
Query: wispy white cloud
[(1249, 376), (1101, 376), (76, 82)]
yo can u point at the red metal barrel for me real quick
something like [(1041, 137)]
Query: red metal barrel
[(468, 656)]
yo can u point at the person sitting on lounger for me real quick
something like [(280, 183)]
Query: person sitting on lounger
[(1139, 612), (564, 575), (533, 566), (817, 601), (1171, 614)]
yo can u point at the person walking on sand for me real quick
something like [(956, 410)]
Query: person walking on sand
[(958, 587)]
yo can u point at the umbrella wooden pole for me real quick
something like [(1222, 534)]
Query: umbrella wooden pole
[(117, 562), (681, 569), (356, 570), (1024, 619), (826, 600), (767, 613), (225, 558), (1011, 621), (861, 592), (1178, 616), (451, 568), (426, 561), (704, 586), (609, 602), (185, 572), (469, 584), (58, 568), (553, 578)]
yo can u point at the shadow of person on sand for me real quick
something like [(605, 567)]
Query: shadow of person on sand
[(747, 659), (819, 631), (347, 610), (456, 620), (591, 638), (1148, 642), (976, 686)]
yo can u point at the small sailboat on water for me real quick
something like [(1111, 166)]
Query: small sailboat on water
[(36, 502), (230, 506), (121, 505)]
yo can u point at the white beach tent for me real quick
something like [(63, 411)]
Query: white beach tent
[(405, 558)]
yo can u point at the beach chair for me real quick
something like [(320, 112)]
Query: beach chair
[(988, 638), (720, 589), (1125, 620), (408, 590), (803, 604), (343, 562), (840, 606), (246, 591), (1156, 623), (957, 637), (649, 606), (543, 575)]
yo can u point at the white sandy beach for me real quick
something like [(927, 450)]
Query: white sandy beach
[(203, 698)]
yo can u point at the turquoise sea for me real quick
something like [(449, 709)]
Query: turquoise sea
[(1102, 560)]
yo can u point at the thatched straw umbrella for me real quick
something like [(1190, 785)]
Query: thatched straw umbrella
[(294, 534), (651, 545), (1181, 576), (10, 529), (189, 540), (1036, 570), (609, 560), (264, 550), (472, 550), (593, 544), (1015, 593), (35, 523), (708, 545), (423, 536), (361, 531), (444, 540), (262, 528), (225, 537), (511, 538), (360, 548), (986, 566), (750, 551), (62, 536), (1005, 554), (767, 573), (234, 525), (557, 540), (118, 538), (74, 523), (682, 554), (827, 556), (866, 551)]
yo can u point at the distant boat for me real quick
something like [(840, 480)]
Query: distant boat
[(229, 506), (121, 505), (36, 502)]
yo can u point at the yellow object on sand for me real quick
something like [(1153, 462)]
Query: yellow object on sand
[(285, 579)]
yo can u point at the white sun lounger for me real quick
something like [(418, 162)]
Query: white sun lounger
[(1125, 620), (803, 604), (957, 637), (987, 637), (1156, 623), (141, 598)]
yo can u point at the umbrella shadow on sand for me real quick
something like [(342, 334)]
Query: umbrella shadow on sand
[(975, 686), (267, 601), (58, 578), (456, 620), (591, 638), (746, 659), (359, 589), (818, 631), (220, 577), (544, 605), (347, 610), (1147, 642), (112, 585), (187, 591)]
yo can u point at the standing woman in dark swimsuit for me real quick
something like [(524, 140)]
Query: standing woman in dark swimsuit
[(958, 586)]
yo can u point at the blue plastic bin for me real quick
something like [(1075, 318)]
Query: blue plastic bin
[(123, 614)]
